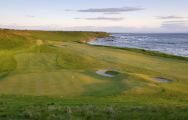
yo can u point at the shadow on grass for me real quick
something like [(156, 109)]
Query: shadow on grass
[(3, 75)]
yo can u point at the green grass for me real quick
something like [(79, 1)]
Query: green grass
[(37, 108), (52, 75), (148, 52)]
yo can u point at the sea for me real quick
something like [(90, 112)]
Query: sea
[(170, 43)]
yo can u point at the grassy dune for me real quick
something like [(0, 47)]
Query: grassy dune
[(52, 75)]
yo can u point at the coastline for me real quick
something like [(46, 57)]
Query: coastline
[(98, 35), (88, 40), (143, 51)]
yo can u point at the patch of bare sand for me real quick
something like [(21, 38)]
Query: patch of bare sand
[(39, 42), (107, 73), (161, 80)]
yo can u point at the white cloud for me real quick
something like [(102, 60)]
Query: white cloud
[(166, 27), (103, 18), (112, 10), (170, 17)]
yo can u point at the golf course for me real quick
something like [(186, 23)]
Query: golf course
[(56, 75)]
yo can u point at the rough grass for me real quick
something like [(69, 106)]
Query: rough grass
[(13, 39), (62, 71), (37, 108), (148, 52)]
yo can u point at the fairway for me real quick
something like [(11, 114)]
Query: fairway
[(43, 66)]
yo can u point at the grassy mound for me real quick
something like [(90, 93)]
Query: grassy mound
[(12, 39)]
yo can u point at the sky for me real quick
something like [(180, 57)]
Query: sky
[(161, 16)]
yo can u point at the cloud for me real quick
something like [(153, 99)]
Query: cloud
[(30, 16), (175, 25), (170, 17), (68, 10), (110, 13), (103, 18), (112, 10), (115, 29), (166, 27), (177, 22)]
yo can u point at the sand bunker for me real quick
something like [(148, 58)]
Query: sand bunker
[(62, 45), (59, 45), (39, 42), (107, 73), (161, 80)]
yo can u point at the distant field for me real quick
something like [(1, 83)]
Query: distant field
[(52, 75)]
